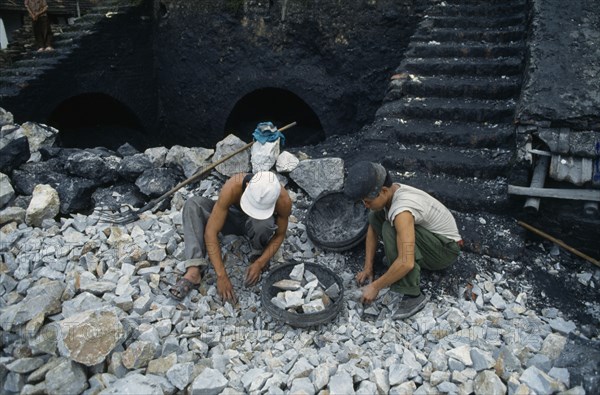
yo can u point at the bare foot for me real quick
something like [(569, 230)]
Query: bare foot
[(190, 280), (194, 274)]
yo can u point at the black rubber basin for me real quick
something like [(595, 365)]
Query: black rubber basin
[(336, 223), (326, 277)]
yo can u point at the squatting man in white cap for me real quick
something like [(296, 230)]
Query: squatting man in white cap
[(417, 232), (255, 205)]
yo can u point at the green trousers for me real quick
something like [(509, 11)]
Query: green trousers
[(432, 252)]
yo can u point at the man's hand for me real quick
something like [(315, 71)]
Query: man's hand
[(369, 294), (253, 273), (364, 277), (225, 290)]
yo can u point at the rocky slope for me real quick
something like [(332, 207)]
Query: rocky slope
[(85, 309)]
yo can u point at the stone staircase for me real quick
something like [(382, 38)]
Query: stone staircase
[(447, 116), (446, 122), (21, 63)]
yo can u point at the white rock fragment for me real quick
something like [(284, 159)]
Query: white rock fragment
[(313, 307), (45, 204), (288, 285), (297, 272), (286, 162)]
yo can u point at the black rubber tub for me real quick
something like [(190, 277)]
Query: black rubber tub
[(336, 223), (326, 277)]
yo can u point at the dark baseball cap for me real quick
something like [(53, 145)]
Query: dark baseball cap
[(364, 180)]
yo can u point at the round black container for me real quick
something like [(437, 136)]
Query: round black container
[(336, 223), (326, 278)]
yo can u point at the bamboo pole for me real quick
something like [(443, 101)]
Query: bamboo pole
[(592, 195), (559, 242)]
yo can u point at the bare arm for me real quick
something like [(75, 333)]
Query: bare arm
[(284, 210), (44, 9), (30, 11), (404, 263), (214, 225), (370, 246)]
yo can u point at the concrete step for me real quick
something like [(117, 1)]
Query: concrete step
[(468, 193), (71, 33), (435, 49), (29, 72), (46, 59), (468, 23), (449, 109), (445, 133), (481, 163), (490, 196), (463, 66), (455, 86), (498, 35), (104, 8), (9, 90), (516, 3), (491, 10)]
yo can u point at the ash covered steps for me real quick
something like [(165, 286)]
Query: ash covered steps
[(449, 109), (21, 64), (463, 66), (484, 163), (444, 133), (463, 77), (466, 49), (446, 119), (505, 8), (494, 87), (462, 193), (469, 22), (451, 34)]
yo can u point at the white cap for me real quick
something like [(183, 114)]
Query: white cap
[(260, 196)]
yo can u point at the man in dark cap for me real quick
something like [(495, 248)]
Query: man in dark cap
[(417, 231)]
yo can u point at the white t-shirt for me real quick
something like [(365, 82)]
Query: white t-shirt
[(427, 211)]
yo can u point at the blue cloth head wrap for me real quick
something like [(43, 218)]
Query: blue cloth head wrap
[(267, 132)]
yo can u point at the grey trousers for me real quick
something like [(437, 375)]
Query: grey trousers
[(196, 212)]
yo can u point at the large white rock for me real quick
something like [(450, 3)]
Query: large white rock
[(239, 163), (286, 162), (316, 176), (190, 160), (39, 135), (44, 204), (6, 190), (209, 382), (487, 382), (157, 155), (264, 156), (88, 337)]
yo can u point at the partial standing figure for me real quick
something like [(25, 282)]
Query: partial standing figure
[(38, 11)]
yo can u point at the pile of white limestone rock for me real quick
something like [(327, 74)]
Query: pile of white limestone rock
[(86, 309)]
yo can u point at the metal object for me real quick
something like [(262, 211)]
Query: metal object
[(557, 193), (532, 204), (130, 215), (559, 243), (326, 276), (590, 208)]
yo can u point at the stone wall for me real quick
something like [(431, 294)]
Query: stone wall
[(336, 56), (563, 82), (116, 60)]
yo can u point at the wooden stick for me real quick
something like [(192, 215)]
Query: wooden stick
[(591, 195), (203, 171), (559, 242)]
